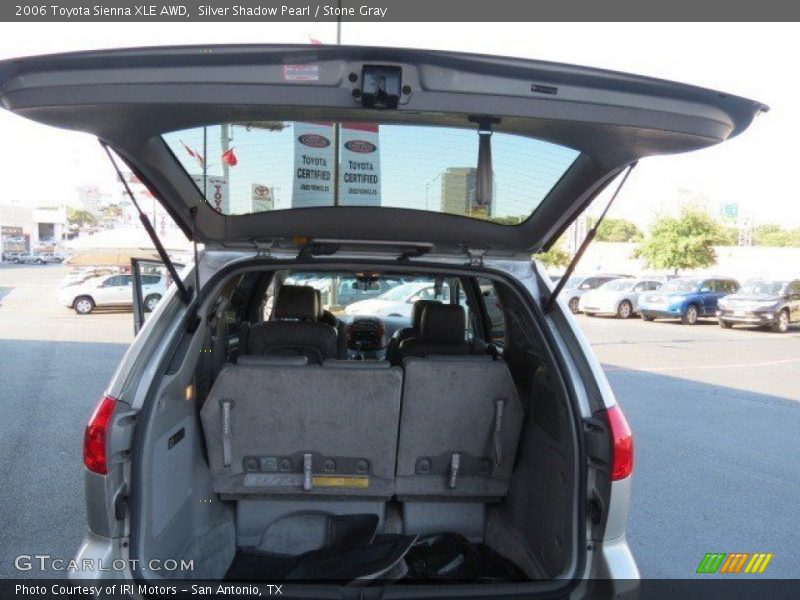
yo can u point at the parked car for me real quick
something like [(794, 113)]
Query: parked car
[(577, 286), (619, 297), (50, 257), (764, 302), (111, 291), (13, 256), (217, 443), (399, 300), (686, 298), (39, 258)]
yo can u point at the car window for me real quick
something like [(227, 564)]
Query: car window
[(427, 294), (150, 279), (590, 283), (299, 161)]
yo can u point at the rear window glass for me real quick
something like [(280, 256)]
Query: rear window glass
[(251, 167)]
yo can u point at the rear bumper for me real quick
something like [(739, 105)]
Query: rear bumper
[(615, 574), (765, 317), (100, 557)]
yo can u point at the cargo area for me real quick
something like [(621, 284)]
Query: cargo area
[(289, 443)]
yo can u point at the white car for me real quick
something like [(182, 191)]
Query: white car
[(112, 291), (398, 301), (619, 297)]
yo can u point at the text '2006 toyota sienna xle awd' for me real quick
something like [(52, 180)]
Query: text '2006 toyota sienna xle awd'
[(258, 431)]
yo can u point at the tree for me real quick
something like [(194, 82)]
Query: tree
[(616, 230), (683, 242), (112, 211), (507, 220), (80, 217), (557, 256), (774, 235)]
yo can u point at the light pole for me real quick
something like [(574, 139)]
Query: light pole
[(428, 187)]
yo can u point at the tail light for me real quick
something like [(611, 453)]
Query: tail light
[(621, 444), (95, 436)]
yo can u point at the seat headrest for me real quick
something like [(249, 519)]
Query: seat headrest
[(443, 324), (417, 310), (297, 302)]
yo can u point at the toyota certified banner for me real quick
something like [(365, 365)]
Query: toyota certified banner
[(359, 181), (313, 165), (314, 157)]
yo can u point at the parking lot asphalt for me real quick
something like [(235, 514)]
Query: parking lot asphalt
[(715, 415)]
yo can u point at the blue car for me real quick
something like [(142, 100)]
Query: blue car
[(686, 298)]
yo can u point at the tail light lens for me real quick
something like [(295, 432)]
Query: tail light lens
[(622, 444), (95, 436)]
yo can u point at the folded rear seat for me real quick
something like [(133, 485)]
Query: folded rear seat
[(276, 428), (459, 428)]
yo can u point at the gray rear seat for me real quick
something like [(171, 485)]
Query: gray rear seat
[(459, 428), (303, 430)]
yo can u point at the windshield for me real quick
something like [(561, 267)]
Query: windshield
[(617, 285), (681, 285), (763, 288), (250, 167), (573, 282)]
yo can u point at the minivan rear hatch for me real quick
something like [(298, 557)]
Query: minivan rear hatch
[(275, 144)]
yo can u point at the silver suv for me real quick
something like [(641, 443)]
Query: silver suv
[(253, 432)]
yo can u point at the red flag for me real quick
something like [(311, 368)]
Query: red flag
[(229, 158), (314, 42), (195, 155)]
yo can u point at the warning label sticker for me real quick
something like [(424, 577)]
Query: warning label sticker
[(301, 72)]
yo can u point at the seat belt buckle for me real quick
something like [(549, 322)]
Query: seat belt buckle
[(499, 412), (227, 432), (455, 463), (307, 474)]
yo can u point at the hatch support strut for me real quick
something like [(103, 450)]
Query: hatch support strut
[(551, 301), (183, 293)]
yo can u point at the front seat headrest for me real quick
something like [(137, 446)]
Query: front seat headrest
[(296, 302), (443, 324), (417, 310)]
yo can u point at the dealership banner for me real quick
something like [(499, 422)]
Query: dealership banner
[(360, 176), (261, 198), (314, 156), (216, 189)]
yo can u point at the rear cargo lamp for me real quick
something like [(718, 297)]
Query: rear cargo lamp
[(95, 436), (621, 444)]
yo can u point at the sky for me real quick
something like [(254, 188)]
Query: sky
[(40, 165)]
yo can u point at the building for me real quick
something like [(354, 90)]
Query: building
[(25, 229), (459, 193), (458, 189)]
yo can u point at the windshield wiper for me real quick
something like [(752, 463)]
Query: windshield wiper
[(551, 301), (183, 292)]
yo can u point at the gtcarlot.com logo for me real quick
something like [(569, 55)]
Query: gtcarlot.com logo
[(735, 562)]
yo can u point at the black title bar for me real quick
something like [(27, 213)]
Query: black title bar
[(399, 10)]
